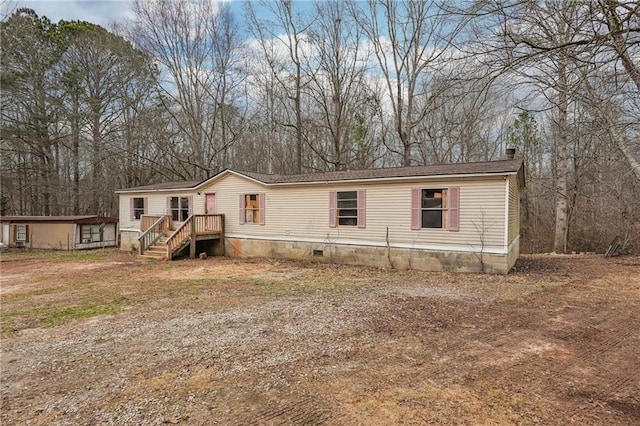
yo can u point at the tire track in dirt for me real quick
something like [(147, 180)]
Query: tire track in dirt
[(308, 411), (609, 345), (603, 345)]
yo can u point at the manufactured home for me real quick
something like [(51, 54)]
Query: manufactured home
[(453, 217), (59, 232)]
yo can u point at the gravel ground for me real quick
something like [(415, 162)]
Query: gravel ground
[(227, 341)]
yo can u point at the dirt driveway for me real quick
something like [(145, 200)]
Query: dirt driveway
[(108, 338)]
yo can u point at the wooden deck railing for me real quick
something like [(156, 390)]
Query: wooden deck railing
[(147, 221), (153, 232), (199, 224), (208, 223)]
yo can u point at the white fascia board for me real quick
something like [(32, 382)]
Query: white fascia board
[(192, 188), (506, 213), (226, 172), (147, 191)]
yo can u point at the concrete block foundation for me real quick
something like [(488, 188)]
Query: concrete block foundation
[(397, 258), (129, 240)]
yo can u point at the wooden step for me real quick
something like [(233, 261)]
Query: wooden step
[(159, 249), (156, 251)]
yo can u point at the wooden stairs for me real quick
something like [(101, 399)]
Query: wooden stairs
[(161, 242), (159, 249)]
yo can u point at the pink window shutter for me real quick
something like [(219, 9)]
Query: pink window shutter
[(454, 208), (191, 205), (241, 206), (169, 206), (332, 209), (362, 208), (261, 206), (132, 215), (145, 205), (415, 209)]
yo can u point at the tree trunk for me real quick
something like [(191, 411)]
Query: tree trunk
[(96, 162), (560, 239), (75, 156)]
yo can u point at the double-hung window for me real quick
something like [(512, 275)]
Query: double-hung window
[(138, 207), (179, 208), (435, 208), (21, 234), (252, 207), (347, 208)]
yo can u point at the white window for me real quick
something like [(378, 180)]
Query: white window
[(179, 208), (22, 235), (137, 206), (434, 207), (91, 233), (252, 208), (347, 208)]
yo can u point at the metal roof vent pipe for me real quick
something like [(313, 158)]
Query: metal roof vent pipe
[(511, 153)]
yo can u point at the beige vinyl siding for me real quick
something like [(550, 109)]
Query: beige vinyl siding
[(514, 209), (51, 235), (124, 217), (301, 212), (156, 205)]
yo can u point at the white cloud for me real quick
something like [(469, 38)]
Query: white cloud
[(101, 12)]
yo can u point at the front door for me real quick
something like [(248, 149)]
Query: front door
[(210, 204)]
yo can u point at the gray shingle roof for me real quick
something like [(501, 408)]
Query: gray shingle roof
[(189, 184), (487, 167)]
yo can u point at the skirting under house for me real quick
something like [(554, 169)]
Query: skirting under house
[(376, 256)]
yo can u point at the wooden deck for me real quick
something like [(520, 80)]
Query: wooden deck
[(161, 241)]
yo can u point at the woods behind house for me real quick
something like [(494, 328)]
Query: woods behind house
[(186, 89)]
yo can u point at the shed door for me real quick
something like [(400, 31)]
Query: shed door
[(210, 204)]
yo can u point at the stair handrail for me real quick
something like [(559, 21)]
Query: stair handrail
[(153, 233), (179, 236)]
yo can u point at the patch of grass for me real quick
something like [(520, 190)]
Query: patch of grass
[(53, 315), (426, 357), (60, 254), (270, 288), (86, 310), (16, 297)]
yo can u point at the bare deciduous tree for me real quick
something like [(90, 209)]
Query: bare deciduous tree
[(285, 30), (196, 43), (338, 87), (407, 37)]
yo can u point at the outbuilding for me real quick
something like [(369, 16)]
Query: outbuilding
[(59, 232)]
